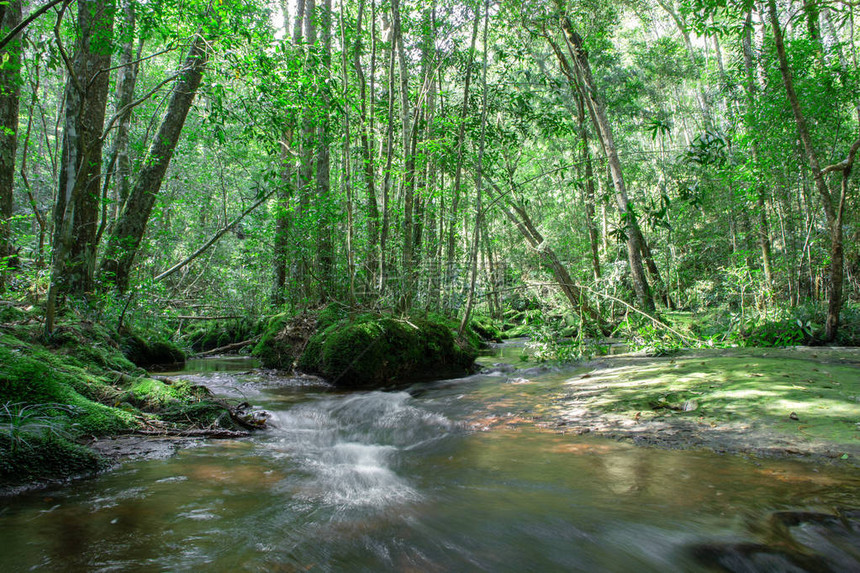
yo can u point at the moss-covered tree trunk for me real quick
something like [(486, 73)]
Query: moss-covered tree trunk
[(128, 232), (10, 95)]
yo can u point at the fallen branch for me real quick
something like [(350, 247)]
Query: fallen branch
[(229, 347), (209, 317), (195, 433), (214, 238)]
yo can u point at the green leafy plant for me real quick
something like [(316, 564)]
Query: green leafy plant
[(21, 422)]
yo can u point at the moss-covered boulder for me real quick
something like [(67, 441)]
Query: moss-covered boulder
[(286, 338), (375, 350), (152, 351)]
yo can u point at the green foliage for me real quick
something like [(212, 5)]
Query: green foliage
[(214, 334), (23, 422)]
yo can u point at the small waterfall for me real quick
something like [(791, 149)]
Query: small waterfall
[(350, 448)]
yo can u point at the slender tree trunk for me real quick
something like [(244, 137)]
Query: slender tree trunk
[(408, 181), (347, 163), (833, 213), (125, 238), (10, 96), (750, 85), (283, 213), (126, 80), (589, 188), (325, 248), (479, 181), (458, 172), (367, 146), (601, 123), (522, 221), (386, 179)]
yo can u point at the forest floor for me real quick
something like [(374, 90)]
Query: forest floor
[(801, 402)]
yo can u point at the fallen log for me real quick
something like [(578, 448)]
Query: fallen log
[(228, 347), (194, 433)]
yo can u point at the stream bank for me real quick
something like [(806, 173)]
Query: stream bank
[(799, 402)]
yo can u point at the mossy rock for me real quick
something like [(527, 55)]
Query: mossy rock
[(45, 459), (286, 338), (380, 350), (486, 328), (152, 352)]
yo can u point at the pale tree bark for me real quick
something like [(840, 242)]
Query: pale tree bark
[(386, 177), (125, 84), (833, 208), (10, 96), (604, 130), (408, 179), (346, 164), (126, 236), (750, 86), (479, 181), (325, 246), (451, 243)]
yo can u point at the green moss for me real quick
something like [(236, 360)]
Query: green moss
[(152, 351), (758, 386), (33, 376), (46, 458), (376, 350), (487, 328), (273, 350), (204, 414)]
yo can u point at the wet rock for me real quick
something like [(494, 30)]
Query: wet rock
[(756, 557)]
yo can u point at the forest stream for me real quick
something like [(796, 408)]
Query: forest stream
[(449, 475)]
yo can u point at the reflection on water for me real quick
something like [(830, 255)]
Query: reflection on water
[(401, 481)]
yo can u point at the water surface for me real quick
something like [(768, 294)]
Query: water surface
[(423, 480)]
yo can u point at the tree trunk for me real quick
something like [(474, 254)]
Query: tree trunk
[(10, 95), (601, 123), (366, 137), (521, 220), (76, 210), (125, 238), (833, 214), (325, 245), (750, 85), (458, 172), (479, 181)]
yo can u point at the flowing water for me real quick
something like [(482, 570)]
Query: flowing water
[(422, 480)]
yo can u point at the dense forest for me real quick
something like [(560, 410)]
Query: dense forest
[(230, 158), (303, 179)]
